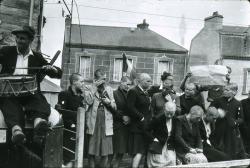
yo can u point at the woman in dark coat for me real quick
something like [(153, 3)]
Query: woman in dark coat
[(161, 150)]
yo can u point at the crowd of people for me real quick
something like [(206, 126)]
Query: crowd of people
[(153, 124), (157, 126)]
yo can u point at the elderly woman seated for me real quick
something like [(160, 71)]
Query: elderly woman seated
[(187, 137), (161, 150)]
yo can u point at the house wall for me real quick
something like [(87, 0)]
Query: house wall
[(204, 48), (144, 62), (13, 15)]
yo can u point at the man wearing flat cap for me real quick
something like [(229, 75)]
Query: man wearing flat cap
[(21, 60)]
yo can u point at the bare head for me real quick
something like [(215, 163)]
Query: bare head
[(190, 90), (169, 110), (211, 115), (76, 81), (230, 90), (195, 114), (145, 80)]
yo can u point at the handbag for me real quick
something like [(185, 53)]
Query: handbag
[(155, 147)]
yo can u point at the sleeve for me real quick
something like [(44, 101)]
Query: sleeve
[(132, 98), (153, 106), (119, 112), (50, 73), (198, 138), (178, 136), (62, 100)]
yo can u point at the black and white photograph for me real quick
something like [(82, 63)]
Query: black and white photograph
[(124, 83)]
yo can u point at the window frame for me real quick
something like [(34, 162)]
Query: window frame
[(157, 60), (245, 80)]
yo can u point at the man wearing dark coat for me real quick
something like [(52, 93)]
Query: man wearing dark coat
[(21, 60), (138, 103), (245, 127), (206, 131), (227, 137), (121, 121)]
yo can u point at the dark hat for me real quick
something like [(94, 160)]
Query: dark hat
[(30, 31)]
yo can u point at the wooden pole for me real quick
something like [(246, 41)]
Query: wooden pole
[(80, 137)]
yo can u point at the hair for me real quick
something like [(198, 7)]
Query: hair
[(143, 76), (195, 109), (74, 77), (165, 75), (212, 110), (125, 79), (170, 106), (99, 73), (190, 84), (232, 86)]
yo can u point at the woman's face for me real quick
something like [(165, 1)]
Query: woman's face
[(168, 83), (169, 114)]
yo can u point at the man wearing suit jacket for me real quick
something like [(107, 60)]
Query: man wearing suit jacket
[(187, 136), (138, 103), (16, 60), (207, 125), (245, 127)]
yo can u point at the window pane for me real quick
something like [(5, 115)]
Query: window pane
[(248, 81), (85, 65), (162, 66), (117, 70), (117, 75)]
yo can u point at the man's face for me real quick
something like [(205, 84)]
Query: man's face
[(23, 41), (79, 83), (190, 90), (168, 83), (228, 92), (146, 82), (125, 85)]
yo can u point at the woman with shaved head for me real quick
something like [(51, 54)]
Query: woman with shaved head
[(187, 136), (161, 151)]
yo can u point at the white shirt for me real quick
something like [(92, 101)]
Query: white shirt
[(22, 62), (169, 126), (208, 130)]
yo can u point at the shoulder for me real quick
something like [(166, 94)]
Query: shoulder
[(64, 93), (180, 118), (7, 49)]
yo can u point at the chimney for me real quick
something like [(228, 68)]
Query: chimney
[(144, 25), (214, 22)]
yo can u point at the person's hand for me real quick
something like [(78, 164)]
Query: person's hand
[(49, 67), (126, 120), (199, 150), (168, 98), (189, 74), (192, 150), (106, 101)]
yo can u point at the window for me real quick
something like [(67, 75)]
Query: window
[(117, 75), (162, 66), (85, 67), (246, 82)]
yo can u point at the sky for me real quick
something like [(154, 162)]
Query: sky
[(176, 20)]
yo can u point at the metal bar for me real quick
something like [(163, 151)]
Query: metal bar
[(70, 131), (68, 150)]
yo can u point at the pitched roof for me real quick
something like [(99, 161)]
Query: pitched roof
[(48, 86), (234, 29), (121, 37)]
